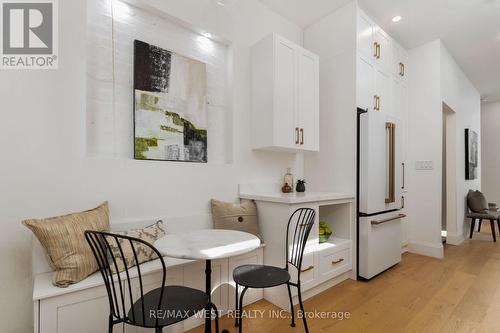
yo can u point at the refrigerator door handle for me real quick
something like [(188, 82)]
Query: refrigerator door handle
[(400, 216), (391, 127)]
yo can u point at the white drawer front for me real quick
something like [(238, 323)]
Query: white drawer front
[(307, 275), (334, 264)]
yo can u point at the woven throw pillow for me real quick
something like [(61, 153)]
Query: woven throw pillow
[(477, 202), (149, 234), (65, 245), (231, 216)]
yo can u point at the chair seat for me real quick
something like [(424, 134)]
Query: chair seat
[(490, 215), (260, 276), (178, 303)]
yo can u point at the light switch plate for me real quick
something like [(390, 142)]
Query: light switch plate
[(424, 165)]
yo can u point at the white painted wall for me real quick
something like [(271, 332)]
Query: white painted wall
[(464, 99), (333, 39), (490, 151), (45, 168), (436, 78)]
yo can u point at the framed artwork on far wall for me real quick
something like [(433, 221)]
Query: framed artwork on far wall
[(471, 154), (170, 111)]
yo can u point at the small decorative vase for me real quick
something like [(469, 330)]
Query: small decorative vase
[(301, 185), (286, 188)]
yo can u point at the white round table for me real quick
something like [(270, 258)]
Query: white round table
[(207, 245)]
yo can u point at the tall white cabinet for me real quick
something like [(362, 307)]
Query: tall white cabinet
[(360, 66), (285, 96)]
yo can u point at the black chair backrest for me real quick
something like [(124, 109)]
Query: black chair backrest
[(108, 252), (297, 232)]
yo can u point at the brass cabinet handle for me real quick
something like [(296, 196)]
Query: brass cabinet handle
[(301, 136), (337, 261), (307, 269), (378, 50), (403, 69), (376, 103), (403, 185), (402, 202), (375, 53), (391, 127), (296, 135)]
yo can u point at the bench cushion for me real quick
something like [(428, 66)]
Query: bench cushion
[(149, 234), (64, 241), (490, 215)]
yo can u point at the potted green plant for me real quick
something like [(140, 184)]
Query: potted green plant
[(324, 232)]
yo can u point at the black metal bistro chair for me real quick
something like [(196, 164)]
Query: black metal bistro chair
[(261, 276), (158, 308)]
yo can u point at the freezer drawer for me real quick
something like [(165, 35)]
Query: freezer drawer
[(379, 243)]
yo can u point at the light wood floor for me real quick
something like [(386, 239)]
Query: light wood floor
[(458, 294)]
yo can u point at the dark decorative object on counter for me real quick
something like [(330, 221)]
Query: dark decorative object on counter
[(301, 185)]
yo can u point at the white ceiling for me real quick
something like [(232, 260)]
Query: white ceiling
[(470, 29), (304, 12)]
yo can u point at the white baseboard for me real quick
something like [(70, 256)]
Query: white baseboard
[(454, 239), (435, 250)]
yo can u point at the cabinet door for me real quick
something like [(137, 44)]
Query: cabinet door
[(384, 58), (365, 84), (403, 59), (80, 312), (285, 92), (308, 98), (252, 295), (383, 89), (399, 61), (366, 41), (152, 281)]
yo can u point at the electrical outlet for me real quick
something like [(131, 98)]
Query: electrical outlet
[(424, 165)]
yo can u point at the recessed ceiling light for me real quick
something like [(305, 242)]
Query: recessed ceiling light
[(396, 19), (207, 34), (220, 2)]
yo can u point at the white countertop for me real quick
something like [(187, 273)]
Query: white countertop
[(292, 198)]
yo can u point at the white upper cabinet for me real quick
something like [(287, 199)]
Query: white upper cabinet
[(366, 43), (400, 61), (381, 61), (374, 44), (285, 96), (383, 47)]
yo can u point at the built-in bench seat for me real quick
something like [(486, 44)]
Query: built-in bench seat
[(43, 287)]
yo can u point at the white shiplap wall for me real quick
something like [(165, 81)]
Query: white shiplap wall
[(112, 28)]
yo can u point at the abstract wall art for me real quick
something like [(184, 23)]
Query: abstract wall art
[(471, 154), (170, 107)]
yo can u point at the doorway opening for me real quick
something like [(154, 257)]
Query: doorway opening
[(449, 232)]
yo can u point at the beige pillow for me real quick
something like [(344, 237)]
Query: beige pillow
[(144, 253), (64, 242), (477, 202), (241, 217)]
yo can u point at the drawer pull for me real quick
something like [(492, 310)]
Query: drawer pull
[(399, 216), (306, 269), (337, 261)]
